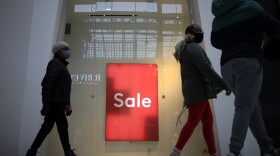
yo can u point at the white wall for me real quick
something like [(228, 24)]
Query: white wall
[(28, 31), (223, 105), (15, 17)]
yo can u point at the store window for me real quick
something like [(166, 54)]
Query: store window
[(124, 32)]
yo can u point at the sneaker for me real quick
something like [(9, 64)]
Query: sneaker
[(31, 153), (232, 154), (276, 152), (70, 153), (175, 152)]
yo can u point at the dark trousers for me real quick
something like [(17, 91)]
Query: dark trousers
[(56, 115), (244, 76)]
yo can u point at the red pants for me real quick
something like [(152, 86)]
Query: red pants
[(198, 112)]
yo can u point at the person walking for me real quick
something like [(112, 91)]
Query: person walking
[(237, 30), (56, 89), (196, 68)]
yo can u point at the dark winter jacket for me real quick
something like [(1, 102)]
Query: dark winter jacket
[(195, 68), (56, 85), (238, 27)]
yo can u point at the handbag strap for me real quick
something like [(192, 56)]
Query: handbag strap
[(179, 116)]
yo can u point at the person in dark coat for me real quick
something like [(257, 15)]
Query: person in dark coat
[(56, 89), (196, 68), (237, 30)]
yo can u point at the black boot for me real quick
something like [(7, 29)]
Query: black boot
[(70, 153), (31, 153)]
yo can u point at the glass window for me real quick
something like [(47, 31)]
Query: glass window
[(118, 37)]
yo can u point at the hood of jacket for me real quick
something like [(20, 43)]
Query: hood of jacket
[(228, 12), (220, 7)]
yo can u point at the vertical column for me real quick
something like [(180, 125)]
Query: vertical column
[(44, 32), (15, 17)]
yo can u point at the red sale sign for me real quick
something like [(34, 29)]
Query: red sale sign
[(132, 102)]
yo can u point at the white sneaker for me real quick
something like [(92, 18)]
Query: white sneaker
[(175, 152), (231, 154)]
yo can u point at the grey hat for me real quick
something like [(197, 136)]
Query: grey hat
[(59, 45)]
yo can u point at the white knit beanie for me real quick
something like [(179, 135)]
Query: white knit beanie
[(59, 45)]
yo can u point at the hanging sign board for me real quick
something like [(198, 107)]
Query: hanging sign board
[(132, 102)]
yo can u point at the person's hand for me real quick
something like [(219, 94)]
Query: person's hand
[(68, 113), (228, 92), (45, 109), (68, 110)]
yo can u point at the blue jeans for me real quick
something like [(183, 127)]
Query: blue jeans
[(244, 77)]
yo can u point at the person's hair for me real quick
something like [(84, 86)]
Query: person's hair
[(189, 32), (193, 28)]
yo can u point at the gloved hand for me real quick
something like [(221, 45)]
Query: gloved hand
[(45, 109), (68, 110)]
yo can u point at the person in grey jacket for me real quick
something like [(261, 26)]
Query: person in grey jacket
[(237, 30), (196, 69), (56, 89)]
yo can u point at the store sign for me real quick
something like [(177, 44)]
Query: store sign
[(85, 79), (132, 102)]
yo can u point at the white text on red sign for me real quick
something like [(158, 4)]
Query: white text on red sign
[(132, 101)]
